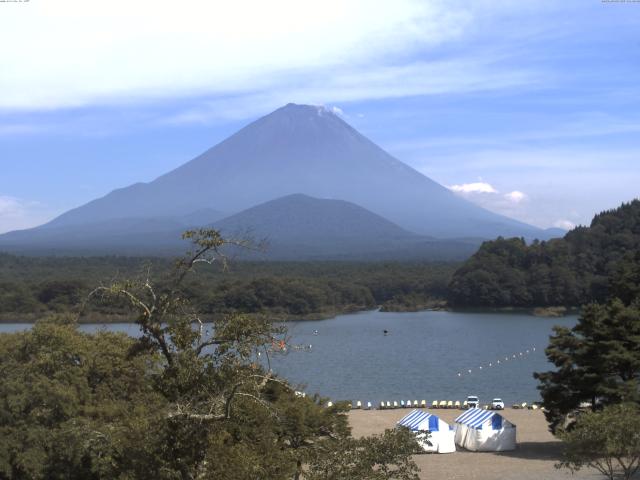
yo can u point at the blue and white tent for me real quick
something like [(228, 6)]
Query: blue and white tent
[(484, 431), (441, 435)]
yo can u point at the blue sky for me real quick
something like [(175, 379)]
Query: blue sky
[(529, 108)]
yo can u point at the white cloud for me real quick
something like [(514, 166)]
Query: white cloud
[(571, 182), (564, 224), (99, 51), (457, 75), (337, 111), (476, 187), (513, 204), (515, 196), (10, 207), (17, 213)]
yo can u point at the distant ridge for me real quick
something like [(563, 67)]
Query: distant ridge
[(301, 227), (300, 218), (294, 227), (122, 236)]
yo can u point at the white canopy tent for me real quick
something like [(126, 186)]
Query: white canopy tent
[(484, 431), (441, 435)]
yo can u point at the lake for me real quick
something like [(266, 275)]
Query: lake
[(420, 358)]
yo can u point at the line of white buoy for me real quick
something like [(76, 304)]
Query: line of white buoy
[(436, 404), (499, 362), (442, 404)]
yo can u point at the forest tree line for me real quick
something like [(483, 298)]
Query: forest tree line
[(582, 267), (33, 286)]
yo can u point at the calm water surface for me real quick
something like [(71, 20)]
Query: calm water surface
[(420, 358)]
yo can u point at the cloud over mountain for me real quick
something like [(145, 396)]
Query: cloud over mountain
[(475, 187)]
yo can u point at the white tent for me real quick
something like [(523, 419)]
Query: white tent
[(441, 435), (484, 431)]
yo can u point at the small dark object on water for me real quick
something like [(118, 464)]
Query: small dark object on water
[(386, 332)]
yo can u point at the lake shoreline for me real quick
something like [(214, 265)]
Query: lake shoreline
[(436, 306), (374, 356)]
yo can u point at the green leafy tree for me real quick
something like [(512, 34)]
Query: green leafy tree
[(607, 441), (598, 361), (186, 400), (73, 405), (210, 378), (371, 458)]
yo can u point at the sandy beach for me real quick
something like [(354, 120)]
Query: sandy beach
[(534, 459)]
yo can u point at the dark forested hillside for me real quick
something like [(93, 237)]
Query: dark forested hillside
[(33, 286), (581, 267)]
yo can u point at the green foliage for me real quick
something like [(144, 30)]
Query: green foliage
[(607, 441), (598, 361), (186, 400), (625, 283), (40, 285), (570, 271), (62, 292), (71, 403), (383, 457)]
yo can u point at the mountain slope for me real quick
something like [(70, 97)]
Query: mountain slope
[(299, 218), (301, 227), (124, 236), (295, 227), (300, 148)]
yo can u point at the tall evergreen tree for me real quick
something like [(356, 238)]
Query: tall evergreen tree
[(568, 271), (598, 361)]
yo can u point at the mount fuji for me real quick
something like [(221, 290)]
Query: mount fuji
[(297, 149)]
